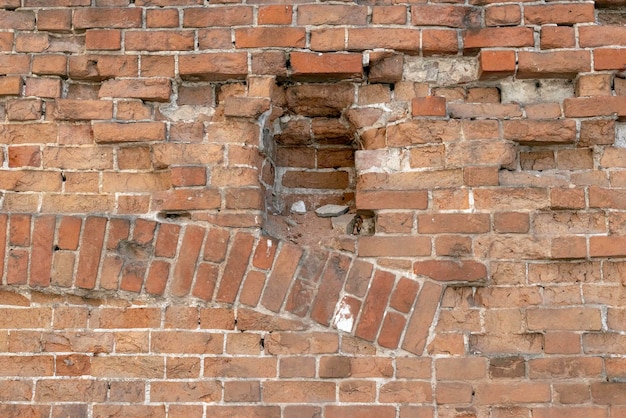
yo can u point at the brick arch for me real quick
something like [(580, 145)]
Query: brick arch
[(130, 258)]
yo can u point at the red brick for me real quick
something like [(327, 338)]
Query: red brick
[(156, 279), (206, 278), (111, 132), (10, 86), (334, 367), (213, 66), (252, 288), (591, 36), (90, 249), (419, 324), (285, 37), (157, 66), (242, 391), (331, 283), (369, 411), (565, 368), (559, 64), (401, 246), (316, 180), (167, 240), (439, 42), (235, 268), (561, 14), (455, 16), (503, 15), (69, 233), (72, 109), (19, 230), (17, 266), (50, 64), (110, 274), (541, 132), (214, 39), (595, 106), (152, 89), (54, 20), (609, 246), (125, 318), (423, 132), (186, 264), (404, 295), (511, 222), (275, 15), (298, 391), (218, 16), (108, 40), (315, 66), (207, 391), (609, 58), (564, 319), (297, 366), (86, 18), (391, 38), (389, 15), (557, 37), (391, 330), (216, 246), (389, 199), (264, 253), (458, 270), (474, 39), (328, 39), (43, 240), (100, 67), (428, 106), (242, 411), (17, 20), (453, 223), (162, 18), (374, 305), (159, 40), (281, 276), (248, 367), (129, 411), (42, 87), (188, 176)]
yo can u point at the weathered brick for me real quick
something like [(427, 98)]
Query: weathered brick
[(331, 283), (421, 319), (374, 305), (312, 66), (85, 18), (235, 267)]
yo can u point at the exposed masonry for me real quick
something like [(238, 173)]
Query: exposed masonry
[(151, 151)]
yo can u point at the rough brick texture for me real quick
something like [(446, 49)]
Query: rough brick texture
[(151, 152)]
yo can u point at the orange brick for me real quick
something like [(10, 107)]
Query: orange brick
[(275, 15), (284, 37), (564, 64), (218, 16), (503, 15), (109, 40), (311, 66), (455, 16), (474, 39)]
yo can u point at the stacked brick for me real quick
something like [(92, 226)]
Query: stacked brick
[(150, 147)]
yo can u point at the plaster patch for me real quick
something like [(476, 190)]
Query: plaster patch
[(344, 320)]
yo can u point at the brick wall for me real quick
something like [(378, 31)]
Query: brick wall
[(151, 152)]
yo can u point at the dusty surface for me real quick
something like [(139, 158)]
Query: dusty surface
[(308, 230)]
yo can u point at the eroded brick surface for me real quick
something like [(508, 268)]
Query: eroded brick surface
[(151, 264)]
